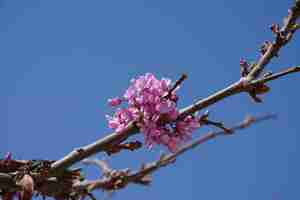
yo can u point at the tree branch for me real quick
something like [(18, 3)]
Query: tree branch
[(242, 85), (115, 179), (121, 178)]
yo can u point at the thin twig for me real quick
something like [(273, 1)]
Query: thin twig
[(176, 85), (285, 72)]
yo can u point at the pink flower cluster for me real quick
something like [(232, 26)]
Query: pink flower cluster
[(151, 105)]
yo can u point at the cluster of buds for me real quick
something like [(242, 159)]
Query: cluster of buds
[(152, 105)]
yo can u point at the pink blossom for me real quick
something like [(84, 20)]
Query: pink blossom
[(114, 101), (172, 144), (165, 106), (148, 104), (187, 126)]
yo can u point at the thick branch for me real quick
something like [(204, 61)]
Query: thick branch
[(98, 146), (115, 138)]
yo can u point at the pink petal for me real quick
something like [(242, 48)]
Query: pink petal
[(114, 101)]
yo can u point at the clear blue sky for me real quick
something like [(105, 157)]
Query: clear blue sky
[(61, 60)]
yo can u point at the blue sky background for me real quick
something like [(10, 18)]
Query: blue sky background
[(61, 60)]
